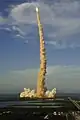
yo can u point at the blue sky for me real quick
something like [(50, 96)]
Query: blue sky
[(19, 44)]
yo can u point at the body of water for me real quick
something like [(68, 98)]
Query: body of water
[(10, 99), (15, 97)]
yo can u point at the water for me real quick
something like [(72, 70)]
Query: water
[(15, 97), (75, 96), (10, 99)]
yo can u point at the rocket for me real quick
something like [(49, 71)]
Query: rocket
[(37, 9)]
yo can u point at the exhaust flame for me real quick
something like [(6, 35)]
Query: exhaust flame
[(36, 9)]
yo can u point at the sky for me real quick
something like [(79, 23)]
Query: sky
[(19, 44)]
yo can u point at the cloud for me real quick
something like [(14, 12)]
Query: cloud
[(51, 42), (18, 30), (3, 20), (60, 20), (62, 77), (62, 44), (19, 36), (24, 13), (6, 29)]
